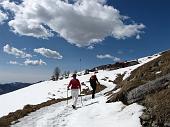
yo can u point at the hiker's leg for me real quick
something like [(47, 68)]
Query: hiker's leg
[(76, 97), (73, 95), (93, 93)]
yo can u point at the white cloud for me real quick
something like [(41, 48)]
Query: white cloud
[(9, 5), (83, 23), (24, 49), (108, 56), (29, 62), (99, 1), (138, 37), (48, 53), (34, 62), (13, 62), (3, 17), (16, 52), (90, 47)]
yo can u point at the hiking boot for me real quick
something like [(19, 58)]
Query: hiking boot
[(74, 107)]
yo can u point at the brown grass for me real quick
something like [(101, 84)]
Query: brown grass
[(117, 81), (159, 105)]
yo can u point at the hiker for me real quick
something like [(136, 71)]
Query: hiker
[(93, 83), (75, 86)]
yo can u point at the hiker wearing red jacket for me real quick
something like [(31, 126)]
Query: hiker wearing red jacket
[(75, 86)]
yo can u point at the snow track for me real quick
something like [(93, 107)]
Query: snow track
[(94, 113), (55, 115)]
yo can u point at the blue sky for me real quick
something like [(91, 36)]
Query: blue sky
[(35, 37)]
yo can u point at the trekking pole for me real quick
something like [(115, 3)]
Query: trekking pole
[(67, 96), (81, 101), (81, 98), (100, 88)]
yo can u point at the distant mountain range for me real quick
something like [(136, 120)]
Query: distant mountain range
[(9, 87)]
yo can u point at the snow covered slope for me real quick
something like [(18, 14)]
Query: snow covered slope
[(93, 113), (43, 91)]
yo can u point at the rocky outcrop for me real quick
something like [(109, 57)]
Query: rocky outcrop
[(147, 120), (157, 112), (150, 87), (116, 65)]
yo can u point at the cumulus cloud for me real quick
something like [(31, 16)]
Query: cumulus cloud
[(16, 52), (82, 23), (48, 53), (9, 5), (108, 56), (29, 62), (3, 17)]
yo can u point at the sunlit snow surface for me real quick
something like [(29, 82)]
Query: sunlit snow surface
[(93, 113)]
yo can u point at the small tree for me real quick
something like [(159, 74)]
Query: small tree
[(57, 73), (64, 74), (53, 78)]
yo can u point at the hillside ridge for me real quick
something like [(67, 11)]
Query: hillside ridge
[(146, 85)]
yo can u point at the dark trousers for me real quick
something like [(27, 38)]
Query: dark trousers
[(93, 91)]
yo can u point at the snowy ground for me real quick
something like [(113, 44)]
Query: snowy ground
[(94, 113)]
